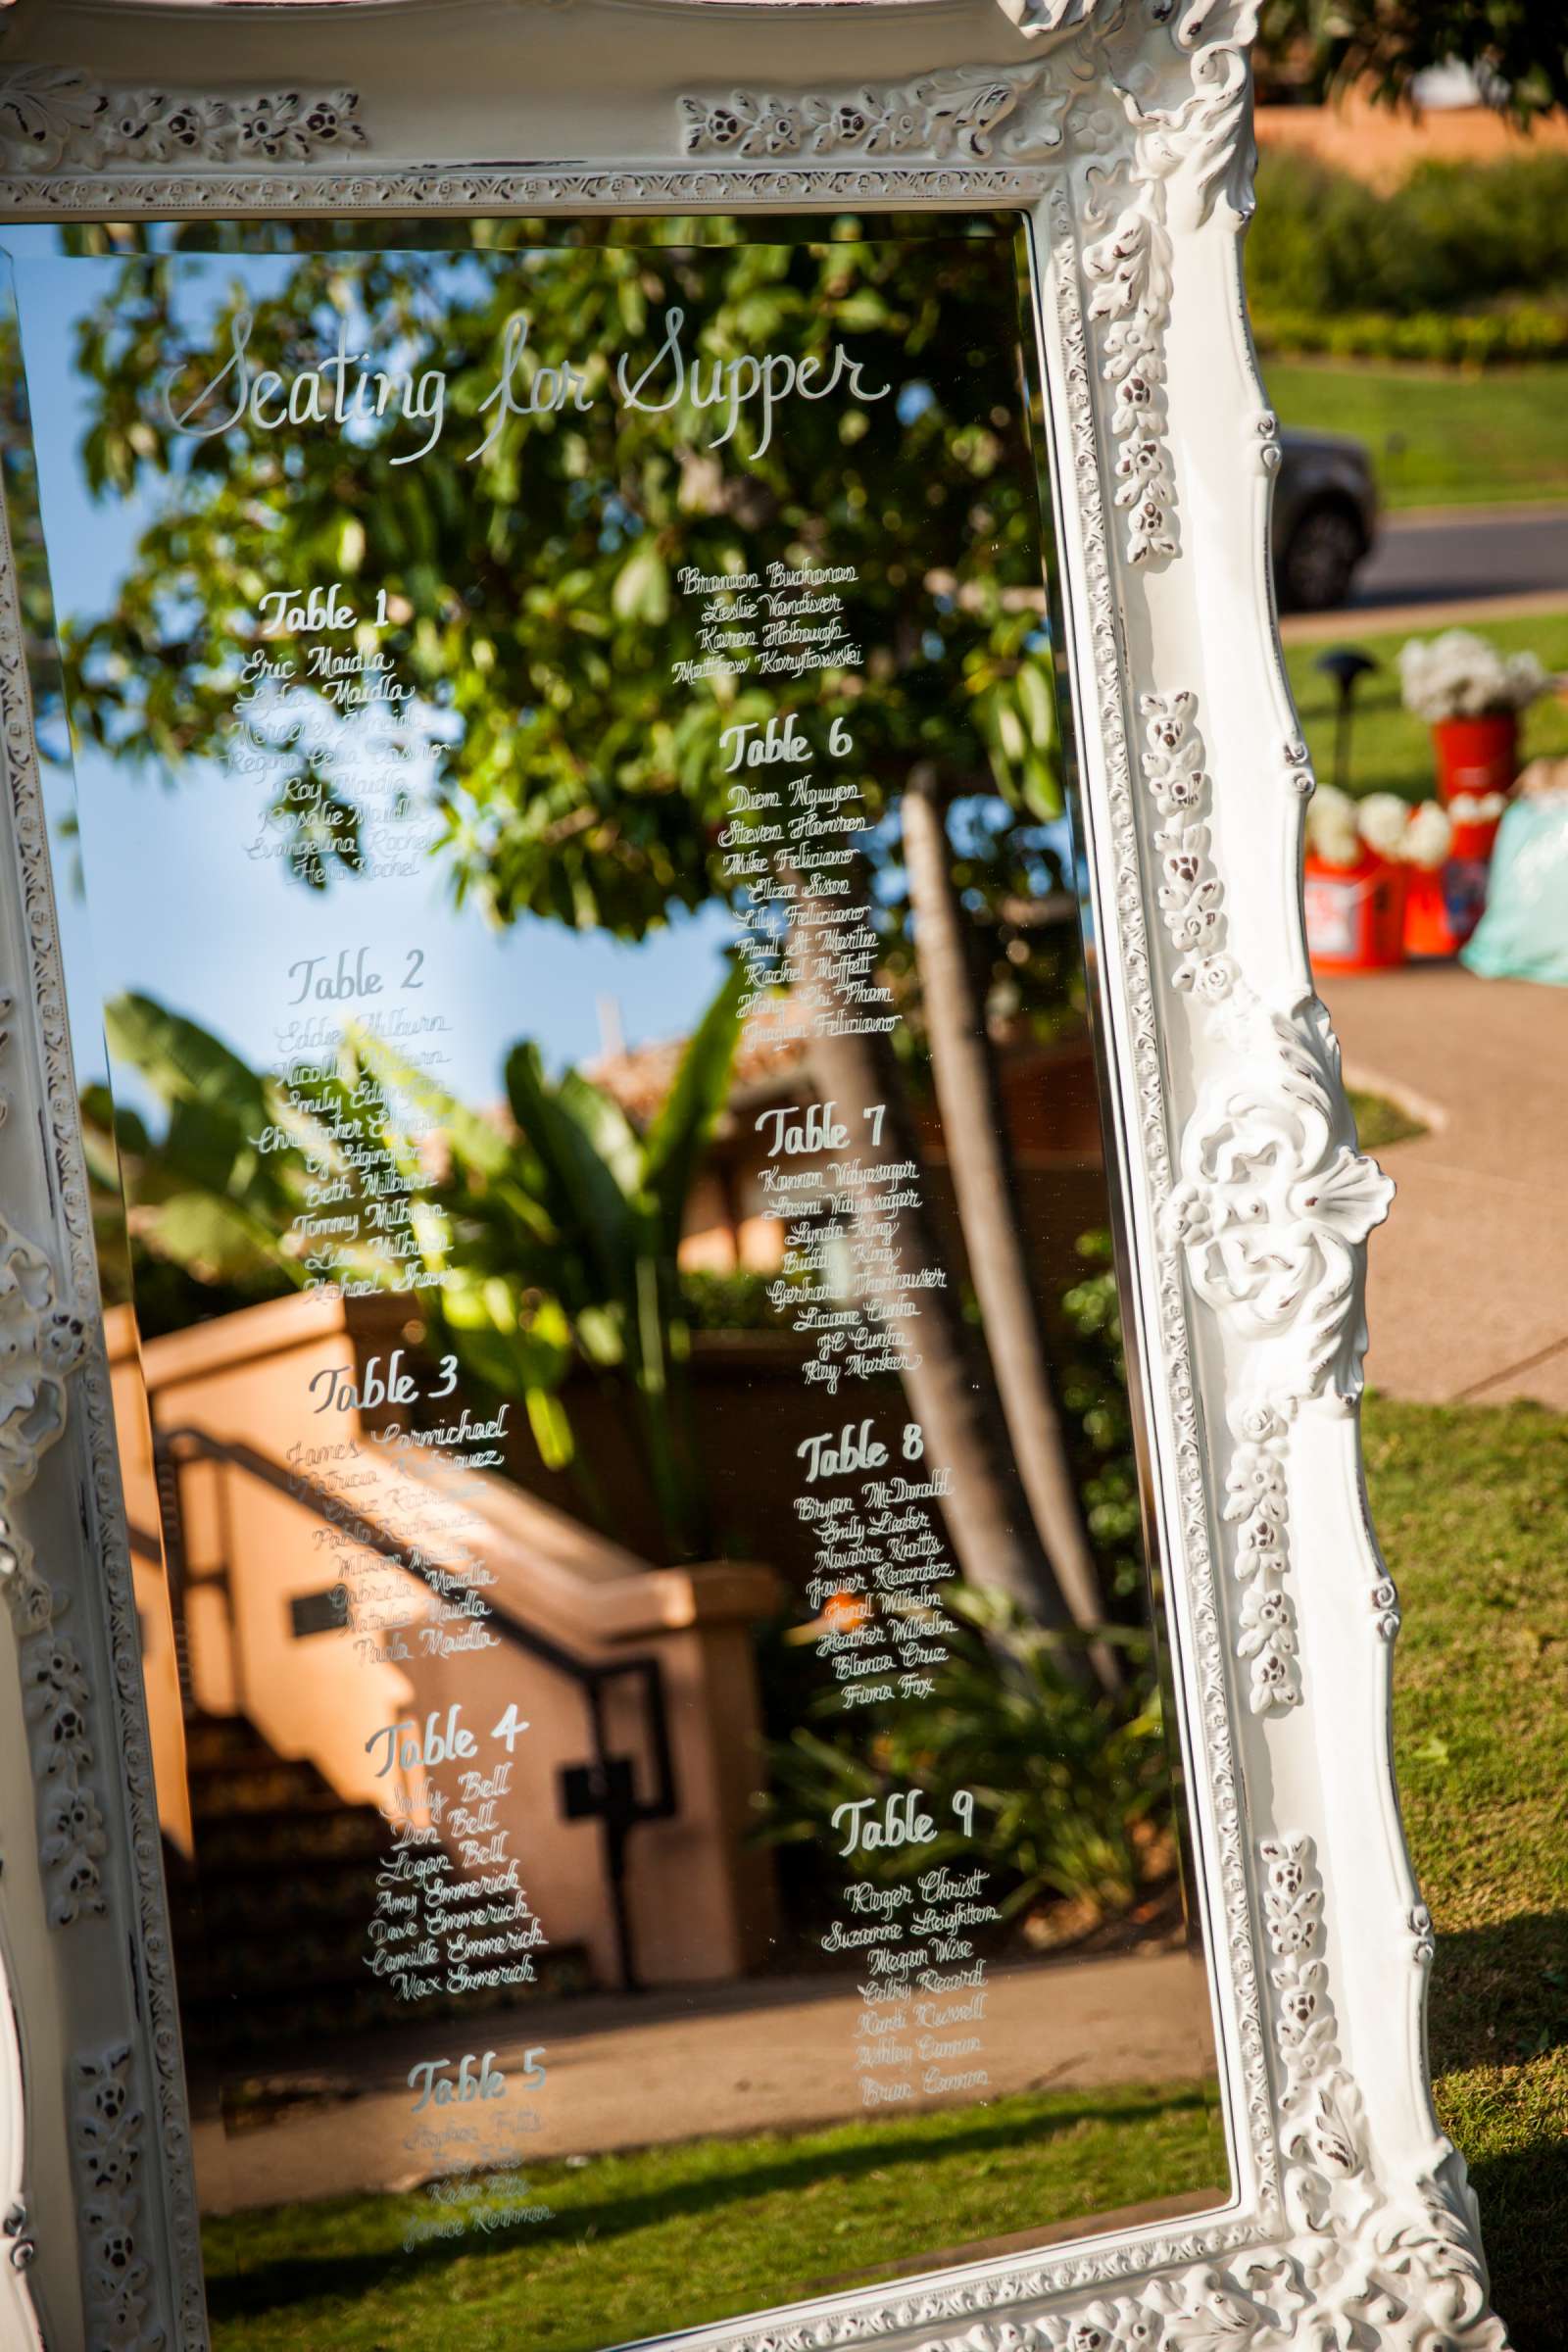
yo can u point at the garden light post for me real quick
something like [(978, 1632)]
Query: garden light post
[(1345, 665)]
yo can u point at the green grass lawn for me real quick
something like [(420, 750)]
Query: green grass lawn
[(1380, 1122), (1471, 1507), (1391, 751), (670, 2238), (1439, 438)]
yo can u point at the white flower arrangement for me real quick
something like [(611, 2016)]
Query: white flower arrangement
[(1460, 675), (1332, 831), (1477, 808), (1428, 837), (1340, 831), (1383, 820)]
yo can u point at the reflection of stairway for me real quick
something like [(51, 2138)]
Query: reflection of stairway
[(270, 1923)]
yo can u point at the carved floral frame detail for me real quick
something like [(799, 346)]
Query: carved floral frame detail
[(1122, 128)]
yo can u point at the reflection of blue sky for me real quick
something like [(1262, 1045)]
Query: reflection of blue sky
[(179, 911)]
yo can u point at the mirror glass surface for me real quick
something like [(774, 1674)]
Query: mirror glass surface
[(562, 803)]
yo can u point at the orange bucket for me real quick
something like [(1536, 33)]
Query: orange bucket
[(1356, 913), (1444, 908)]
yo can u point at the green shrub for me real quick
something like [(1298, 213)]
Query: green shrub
[(1312, 246), (1467, 232), (1442, 338), (1071, 1783), (1454, 237), (734, 1301)]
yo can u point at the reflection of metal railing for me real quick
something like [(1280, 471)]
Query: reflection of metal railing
[(603, 1789)]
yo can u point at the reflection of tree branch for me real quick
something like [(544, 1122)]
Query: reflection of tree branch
[(975, 1133), (949, 1389), (581, 820), (1033, 915)]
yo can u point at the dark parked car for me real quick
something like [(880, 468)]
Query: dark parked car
[(1325, 519)]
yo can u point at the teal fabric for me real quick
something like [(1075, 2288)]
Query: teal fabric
[(1524, 933)]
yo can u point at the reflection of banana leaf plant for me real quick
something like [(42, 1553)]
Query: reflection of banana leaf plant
[(557, 1243), (565, 1234), (1070, 1783), (204, 1196)]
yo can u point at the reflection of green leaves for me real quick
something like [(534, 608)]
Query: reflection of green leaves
[(1070, 1783), (557, 1240), (216, 1240), (205, 1197), (182, 1062), (321, 830), (1093, 1393), (478, 1141), (686, 1119), (586, 1152), (1017, 711), (512, 1350), (103, 1130), (642, 586)]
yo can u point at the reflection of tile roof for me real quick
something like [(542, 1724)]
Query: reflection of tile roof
[(641, 1078)]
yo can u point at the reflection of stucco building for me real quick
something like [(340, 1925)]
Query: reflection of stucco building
[(261, 1698)]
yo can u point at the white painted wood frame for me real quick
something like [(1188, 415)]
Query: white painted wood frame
[(1120, 130)]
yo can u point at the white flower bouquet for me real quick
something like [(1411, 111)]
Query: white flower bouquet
[(1333, 834), (1477, 808), (1428, 837), (1342, 832), (1460, 675)]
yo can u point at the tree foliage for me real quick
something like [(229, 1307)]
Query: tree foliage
[(1518, 48), (1451, 237), (527, 575), (532, 589)]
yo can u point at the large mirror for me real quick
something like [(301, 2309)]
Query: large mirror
[(562, 787)]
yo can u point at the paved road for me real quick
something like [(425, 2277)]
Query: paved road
[(1448, 556)]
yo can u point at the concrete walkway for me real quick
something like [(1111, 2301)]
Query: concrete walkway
[(1468, 1279), (710, 2063)]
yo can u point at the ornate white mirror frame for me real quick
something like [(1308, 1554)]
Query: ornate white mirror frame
[(1121, 128)]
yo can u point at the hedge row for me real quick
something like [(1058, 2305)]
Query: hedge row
[(1442, 338), (1454, 237)]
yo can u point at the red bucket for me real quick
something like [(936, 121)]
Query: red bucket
[(1475, 842), (1356, 913), (1476, 755)]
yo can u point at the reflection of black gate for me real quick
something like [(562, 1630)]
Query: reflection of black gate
[(602, 1789)]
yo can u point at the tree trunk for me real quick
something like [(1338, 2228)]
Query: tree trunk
[(986, 1510), (973, 1133)]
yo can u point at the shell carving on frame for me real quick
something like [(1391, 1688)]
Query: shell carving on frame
[(1273, 1208)]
